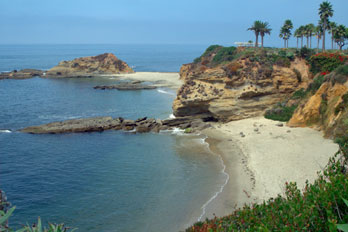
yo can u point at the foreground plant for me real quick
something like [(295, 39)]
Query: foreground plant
[(4, 217)]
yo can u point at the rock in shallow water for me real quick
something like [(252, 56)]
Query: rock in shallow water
[(140, 125)]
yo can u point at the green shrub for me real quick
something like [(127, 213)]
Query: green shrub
[(299, 94), (326, 62), (188, 130), (343, 70), (207, 52), (281, 113), (225, 54), (343, 105), (305, 53), (315, 85), (37, 228)]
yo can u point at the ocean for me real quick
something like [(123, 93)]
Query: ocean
[(107, 181)]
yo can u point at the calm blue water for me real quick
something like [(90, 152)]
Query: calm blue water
[(109, 181)]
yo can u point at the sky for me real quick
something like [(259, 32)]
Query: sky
[(153, 21)]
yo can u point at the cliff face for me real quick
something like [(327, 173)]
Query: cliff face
[(237, 89), (327, 109), (88, 66)]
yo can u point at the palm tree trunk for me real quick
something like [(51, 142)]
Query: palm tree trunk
[(310, 41), (297, 43), (318, 43), (284, 43), (301, 41), (324, 27), (261, 41), (257, 40), (307, 42), (287, 43), (332, 42)]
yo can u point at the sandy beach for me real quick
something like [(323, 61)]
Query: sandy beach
[(160, 79), (260, 162)]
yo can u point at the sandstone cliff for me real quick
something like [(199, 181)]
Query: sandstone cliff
[(89, 66), (327, 109), (244, 84)]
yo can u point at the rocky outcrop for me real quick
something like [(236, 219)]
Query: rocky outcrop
[(126, 86), (21, 74), (89, 66), (238, 89), (140, 125), (327, 109)]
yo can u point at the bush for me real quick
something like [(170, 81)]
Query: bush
[(207, 52), (35, 228), (305, 53), (281, 113), (225, 54), (299, 94), (343, 105), (326, 62), (343, 70), (315, 85)]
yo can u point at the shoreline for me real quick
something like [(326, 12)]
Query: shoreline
[(159, 79), (259, 164)]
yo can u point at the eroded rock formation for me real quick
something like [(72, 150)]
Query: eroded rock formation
[(238, 89), (140, 125), (21, 74), (90, 66), (326, 109)]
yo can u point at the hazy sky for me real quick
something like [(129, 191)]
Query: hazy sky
[(153, 21)]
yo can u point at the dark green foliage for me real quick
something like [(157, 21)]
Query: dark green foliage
[(340, 74), (315, 85), (319, 208), (281, 113), (343, 70), (208, 51), (299, 94), (343, 105), (225, 54), (305, 53), (37, 228)]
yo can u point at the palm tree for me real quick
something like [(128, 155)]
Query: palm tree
[(264, 29), (301, 33), (283, 35), (256, 28), (332, 27), (306, 32), (285, 32), (318, 34), (310, 32), (341, 35), (297, 35), (325, 12)]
